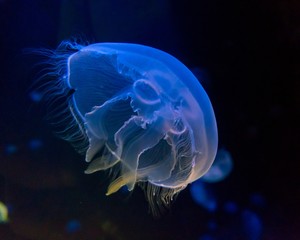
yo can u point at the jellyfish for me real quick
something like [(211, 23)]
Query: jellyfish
[(203, 196), (135, 111), (221, 167)]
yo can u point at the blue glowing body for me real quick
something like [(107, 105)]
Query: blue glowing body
[(203, 196), (252, 225), (221, 167), (143, 113)]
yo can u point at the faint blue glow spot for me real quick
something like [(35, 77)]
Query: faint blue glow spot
[(35, 96), (230, 207), (212, 225), (10, 149), (73, 226), (221, 167), (206, 237), (252, 225), (202, 196), (35, 144), (257, 200)]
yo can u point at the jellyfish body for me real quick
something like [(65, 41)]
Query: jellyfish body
[(221, 168), (144, 114), (203, 196)]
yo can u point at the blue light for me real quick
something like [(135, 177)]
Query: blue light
[(212, 225), (35, 96), (10, 149), (230, 207), (257, 200), (35, 144), (202, 196), (221, 167), (206, 237), (73, 226), (252, 225)]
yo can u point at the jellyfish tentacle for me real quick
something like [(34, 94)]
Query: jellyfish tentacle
[(157, 163), (106, 160), (119, 182), (103, 122)]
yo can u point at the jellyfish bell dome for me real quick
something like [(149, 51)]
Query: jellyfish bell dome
[(143, 113)]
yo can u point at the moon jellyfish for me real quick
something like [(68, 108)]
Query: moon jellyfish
[(221, 168), (134, 110), (203, 196)]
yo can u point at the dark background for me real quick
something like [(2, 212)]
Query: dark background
[(247, 56)]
